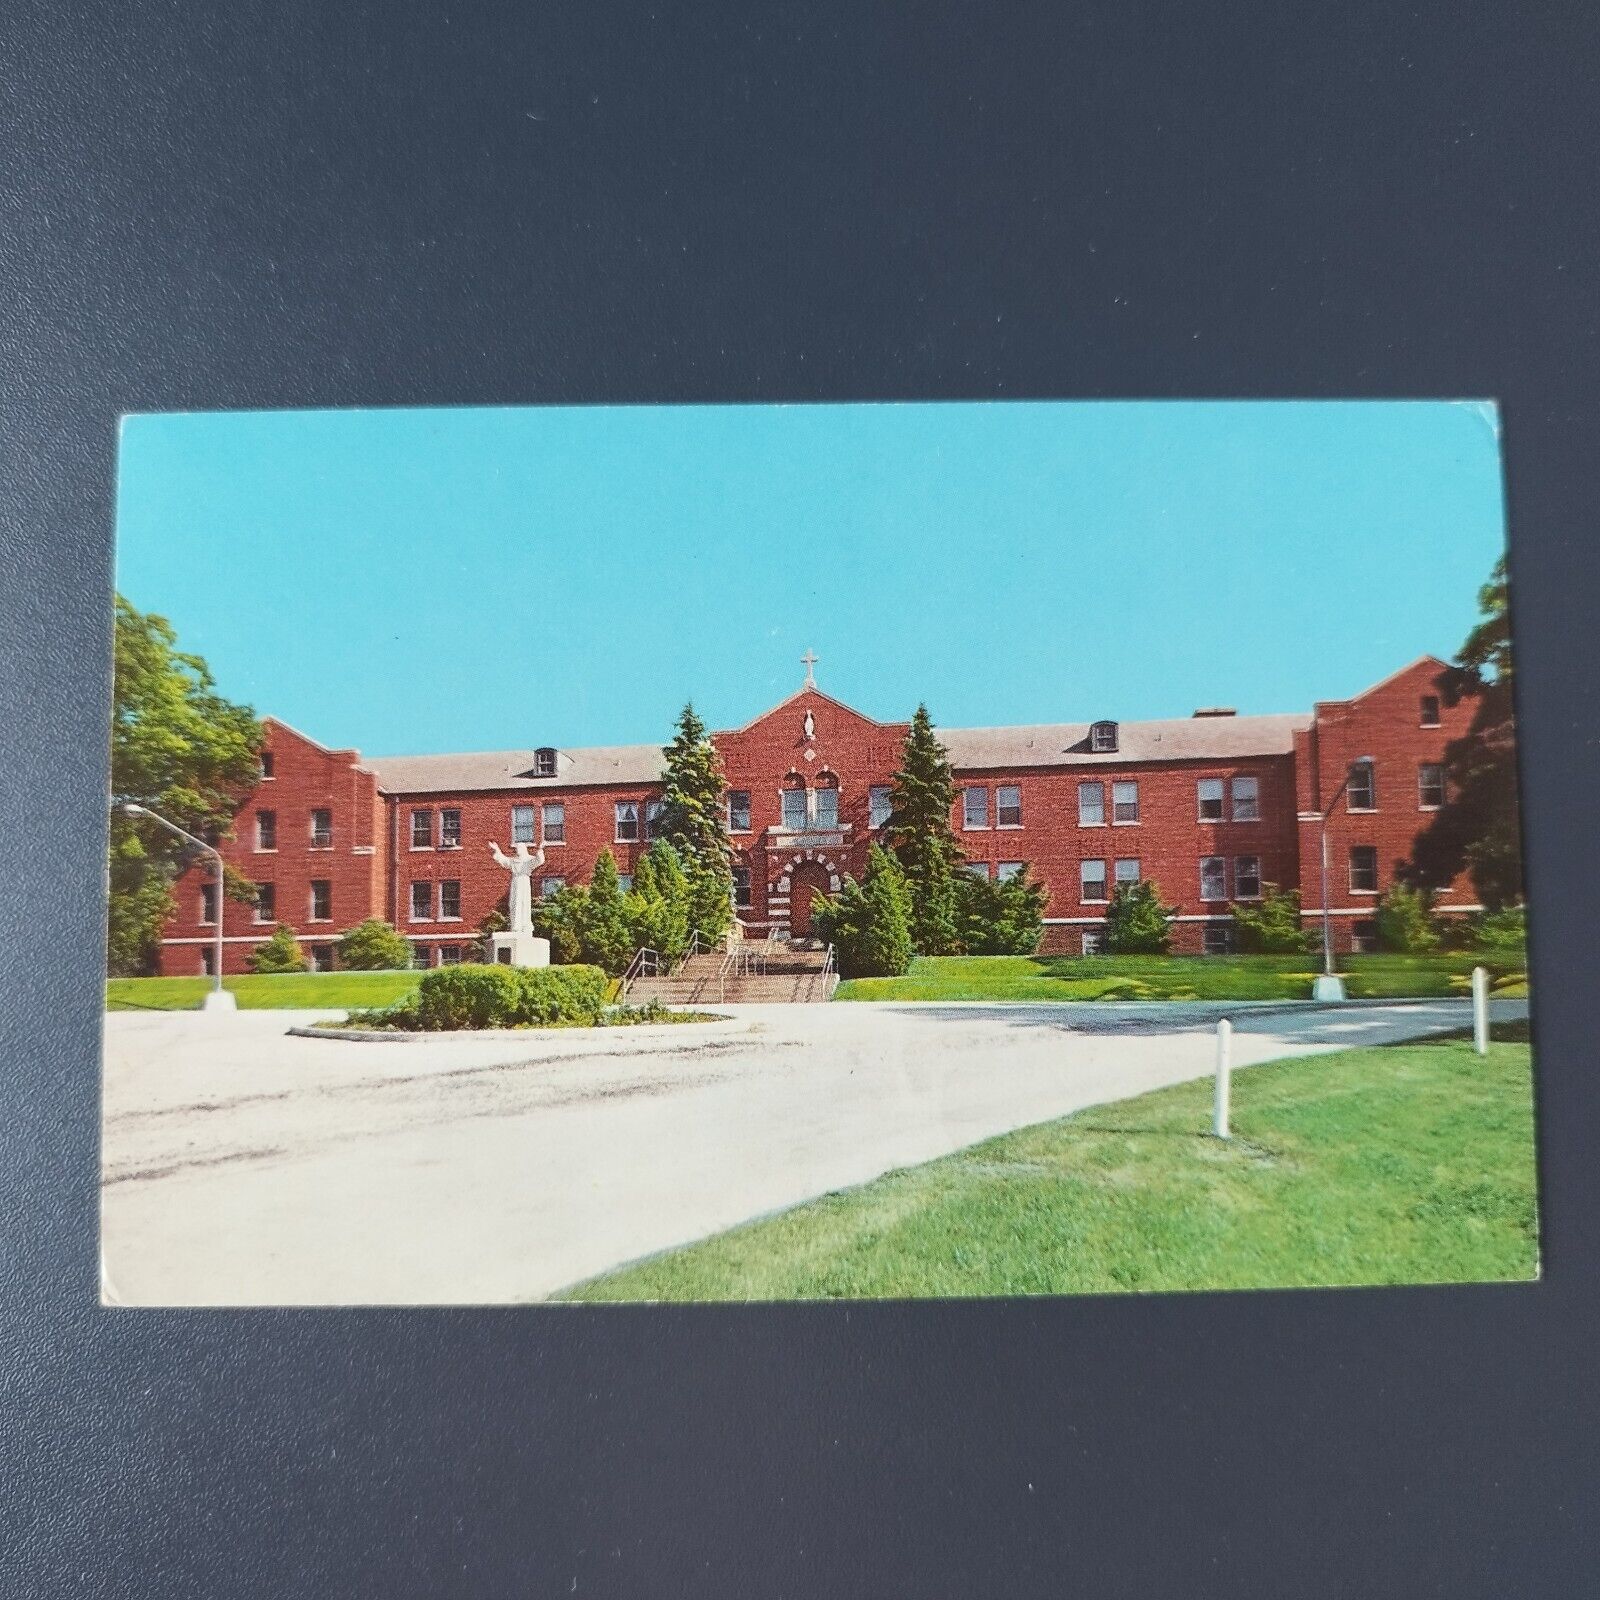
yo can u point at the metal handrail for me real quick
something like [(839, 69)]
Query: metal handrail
[(646, 963), (830, 971)]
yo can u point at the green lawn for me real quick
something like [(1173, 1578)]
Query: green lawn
[(1401, 1164), (285, 991), (1181, 977)]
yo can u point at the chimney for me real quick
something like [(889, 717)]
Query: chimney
[(1215, 711)]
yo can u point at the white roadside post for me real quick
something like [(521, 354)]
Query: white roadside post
[(1219, 1113), (1480, 1010)]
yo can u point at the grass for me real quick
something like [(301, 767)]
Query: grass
[(287, 991), (1405, 1163), (1182, 977)]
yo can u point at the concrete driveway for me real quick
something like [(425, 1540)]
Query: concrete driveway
[(244, 1166)]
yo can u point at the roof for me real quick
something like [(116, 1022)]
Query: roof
[(513, 769), (1059, 744)]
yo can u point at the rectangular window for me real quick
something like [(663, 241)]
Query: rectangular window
[(1008, 806), (627, 821), (544, 763), (555, 822), (654, 811), (1091, 805), (322, 900), (1209, 795), (322, 958), (1094, 941), (449, 955), (266, 830), (266, 902), (208, 902), (549, 888), (421, 955), (879, 804), (741, 888), (1364, 938), (421, 830), (1007, 870), (450, 829), (1125, 802), (1091, 880), (1430, 711), (208, 961), (522, 825), (1430, 786), (1127, 870), (450, 900), (1216, 939), (1363, 869), (978, 869), (1247, 877), (267, 765), (421, 901), (794, 810), (738, 811), (827, 801), (1246, 800), (1213, 878), (322, 830), (1362, 794), (974, 808)]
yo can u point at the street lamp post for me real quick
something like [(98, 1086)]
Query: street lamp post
[(1329, 986), (219, 999)]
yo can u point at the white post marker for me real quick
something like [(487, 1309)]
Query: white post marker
[(1480, 1010), (1219, 1114)]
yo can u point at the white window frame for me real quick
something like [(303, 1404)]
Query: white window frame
[(880, 805), (1084, 897), (311, 901), (1001, 807), (1423, 802), (1371, 788), (1202, 799), (619, 809), (967, 792), (787, 798), (1098, 788), (546, 822), (1125, 822), (1221, 876), (734, 825), (816, 804), (1005, 871), (1239, 876), (1093, 942), (320, 838), (445, 842), (1117, 877), (529, 835), (444, 884), (1251, 798), (266, 849), (412, 915), (421, 811), (1371, 849)]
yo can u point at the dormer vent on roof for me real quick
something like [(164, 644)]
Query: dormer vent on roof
[(544, 762), (1103, 738)]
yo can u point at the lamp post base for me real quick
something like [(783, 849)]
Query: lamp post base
[(219, 1000), (1328, 987)]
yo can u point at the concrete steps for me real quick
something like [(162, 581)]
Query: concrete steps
[(793, 975)]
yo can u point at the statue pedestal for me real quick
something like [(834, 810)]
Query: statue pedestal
[(1328, 988), (519, 950)]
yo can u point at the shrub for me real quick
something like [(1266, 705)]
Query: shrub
[(1136, 921), (604, 938), (478, 996), (657, 908), (280, 953), (1272, 926), (1001, 916), (1506, 929), (373, 946), (1405, 921), (869, 923)]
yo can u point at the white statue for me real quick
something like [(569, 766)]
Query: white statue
[(522, 867), (810, 725)]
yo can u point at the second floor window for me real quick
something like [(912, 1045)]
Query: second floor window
[(1363, 869), (1007, 870), (880, 803), (522, 829), (974, 808), (1124, 802), (321, 830), (266, 902), (449, 829), (738, 811), (827, 807), (627, 821), (1430, 785), (1362, 795), (1091, 880), (794, 810), (1247, 877), (549, 888), (1008, 806), (1127, 870), (266, 830), (1091, 805), (555, 822), (1213, 878), (1246, 800), (450, 900), (208, 902), (1208, 794), (321, 900), (654, 811), (741, 888), (421, 830), (421, 901)]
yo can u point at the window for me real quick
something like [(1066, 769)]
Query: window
[(1008, 806), (555, 822), (267, 764), (738, 811), (879, 804), (654, 810), (449, 955), (1091, 880), (1124, 802), (1364, 938), (1094, 941), (266, 830), (522, 825), (794, 810), (322, 958), (1362, 794), (827, 798), (266, 902), (421, 955), (1091, 805), (322, 830), (421, 901), (549, 888), (421, 830), (974, 808), (741, 888), (208, 962), (450, 829), (544, 763), (1363, 869), (1209, 792), (1127, 870), (627, 821), (1103, 737), (978, 869), (450, 900), (1247, 877), (1213, 878), (1430, 786), (1246, 800), (208, 902), (1216, 939), (1430, 711), (321, 899), (1007, 870)]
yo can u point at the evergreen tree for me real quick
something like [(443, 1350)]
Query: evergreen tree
[(1136, 921), (561, 918), (605, 940), (1003, 917), (280, 953), (692, 821), (1272, 926), (657, 906), (869, 923), (373, 946), (922, 839)]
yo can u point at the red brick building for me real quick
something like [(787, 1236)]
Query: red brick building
[(1211, 807)]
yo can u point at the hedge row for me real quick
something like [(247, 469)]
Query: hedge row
[(471, 996)]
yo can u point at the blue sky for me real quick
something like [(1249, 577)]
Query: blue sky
[(412, 581)]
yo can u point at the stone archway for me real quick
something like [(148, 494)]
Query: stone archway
[(807, 881), (801, 877)]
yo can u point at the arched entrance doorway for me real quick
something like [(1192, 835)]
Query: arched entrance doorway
[(807, 880)]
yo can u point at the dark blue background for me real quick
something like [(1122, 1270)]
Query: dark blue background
[(310, 204)]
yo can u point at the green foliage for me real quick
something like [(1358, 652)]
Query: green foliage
[(1405, 921), (1002, 917), (869, 923), (598, 924), (280, 953), (692, 821), (657, 907), (919, 833), (1505, 929), (605, 937), (1272, 926), (1478, 829), (1136, 921), (184, 751), (478, 996), (560, 919), (373, 946)]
